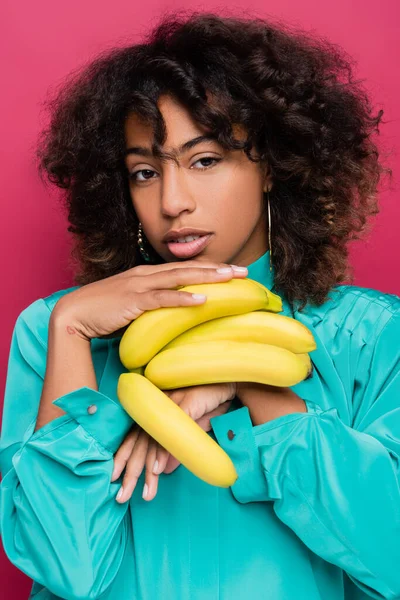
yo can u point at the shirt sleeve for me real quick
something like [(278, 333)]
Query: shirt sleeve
[(59, 520), (337, 487)]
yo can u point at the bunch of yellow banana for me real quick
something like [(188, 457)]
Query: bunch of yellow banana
[(236, 335)]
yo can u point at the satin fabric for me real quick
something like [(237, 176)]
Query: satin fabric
[(313, 515)]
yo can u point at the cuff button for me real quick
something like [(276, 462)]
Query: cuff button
[(92, 409), (231, 434)]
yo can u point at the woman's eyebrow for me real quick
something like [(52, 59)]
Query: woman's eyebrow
[(174, 151)]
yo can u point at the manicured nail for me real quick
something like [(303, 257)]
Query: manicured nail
[(155, 468), (224, 270), (121, 491), (239, 269), (145, 490), (199, 297)]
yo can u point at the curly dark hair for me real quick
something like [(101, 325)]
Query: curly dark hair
[(302, 110)]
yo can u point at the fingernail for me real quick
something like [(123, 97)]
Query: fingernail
[(121, 491), (199, 297), (239, 269), (155, 468), (224, 270), (145, 490)]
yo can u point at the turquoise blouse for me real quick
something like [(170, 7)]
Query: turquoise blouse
[(313, 515)]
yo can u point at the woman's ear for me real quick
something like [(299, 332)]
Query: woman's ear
[(268, 185), (268, 178)]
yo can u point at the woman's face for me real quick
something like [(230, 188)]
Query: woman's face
[(208, 188)]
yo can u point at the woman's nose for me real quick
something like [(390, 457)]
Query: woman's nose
[(175, 195)]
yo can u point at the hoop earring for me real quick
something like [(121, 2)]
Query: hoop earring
[(269, 234), (142, 250)]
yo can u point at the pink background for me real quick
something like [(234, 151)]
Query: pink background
[(42, 41)]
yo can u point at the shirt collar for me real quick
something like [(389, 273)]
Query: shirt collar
[(260, 271)]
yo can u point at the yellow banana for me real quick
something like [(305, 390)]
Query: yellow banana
[(222, 361), (150, 332), (307, 361), (262, 286), (157, 414), (257, 326)]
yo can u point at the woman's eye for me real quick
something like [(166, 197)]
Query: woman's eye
[(148, 172), (216, 160), (134, 175)]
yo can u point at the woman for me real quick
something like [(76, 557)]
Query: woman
[(285, 176)]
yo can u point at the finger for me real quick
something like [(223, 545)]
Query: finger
[(204, 421), (176, 277), (202, 399), (134, 467), (124, 451), (161, 460), (193, 406), (151, 269), (172, 464), (166, 298), (151, 480), (177, 394)]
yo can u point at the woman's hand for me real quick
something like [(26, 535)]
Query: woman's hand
[(106, 307), (139, 450)]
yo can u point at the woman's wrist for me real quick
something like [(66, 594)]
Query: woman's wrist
[(267, 402), (64, 323)]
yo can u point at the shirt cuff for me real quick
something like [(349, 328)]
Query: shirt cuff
[(240, 439), (103, 418), (234, 433)]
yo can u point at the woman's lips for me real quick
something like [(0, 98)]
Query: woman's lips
[(189, 249)]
